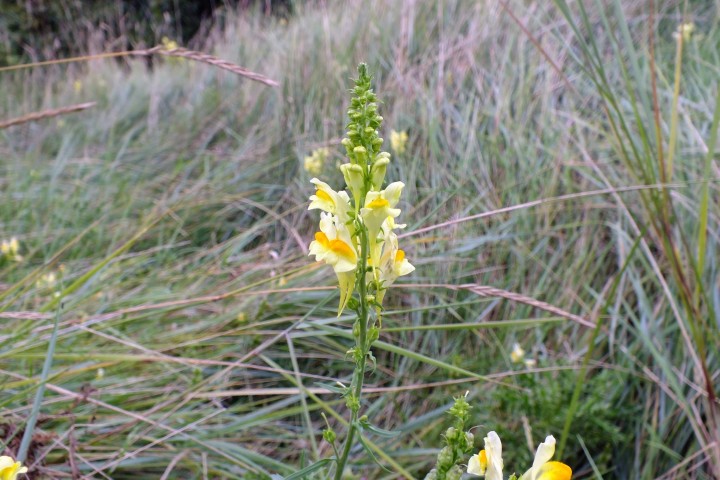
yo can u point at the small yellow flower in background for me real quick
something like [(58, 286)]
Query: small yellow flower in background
[(518, 354), (11, 249), (169, 44), (489, 461), (10, 469), (315, 162), (544, 469), (47, 280), (398, 141), (685, 30), (77, 86)]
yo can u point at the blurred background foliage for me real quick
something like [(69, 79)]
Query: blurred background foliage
[(34, 30)]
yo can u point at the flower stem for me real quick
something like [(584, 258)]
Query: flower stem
[(362, 347)]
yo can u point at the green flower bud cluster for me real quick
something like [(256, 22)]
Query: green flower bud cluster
[(362, 131), (458, 443), (363, 143)]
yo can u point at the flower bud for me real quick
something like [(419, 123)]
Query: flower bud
[(377, 172), (432, 475), (360, 155), (445, 457), (354, 179), (455, 473), (329, 435)]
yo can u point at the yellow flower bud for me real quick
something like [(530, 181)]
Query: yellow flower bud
[(354, 179), (377, 172)]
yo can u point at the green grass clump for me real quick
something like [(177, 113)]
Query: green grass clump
[(196, 337)]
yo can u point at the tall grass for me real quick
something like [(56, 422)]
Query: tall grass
[(201, 341)]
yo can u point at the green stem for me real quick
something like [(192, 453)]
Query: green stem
[(360, 343)]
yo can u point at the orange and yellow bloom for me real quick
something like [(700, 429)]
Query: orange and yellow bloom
[(488, 462), (10, 469)]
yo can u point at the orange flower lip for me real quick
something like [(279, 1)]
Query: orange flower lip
[(337, 246), (322, 239), (342, 249)]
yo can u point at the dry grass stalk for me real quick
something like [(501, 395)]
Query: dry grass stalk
[(209, 59), (31, 117), (25, 315)]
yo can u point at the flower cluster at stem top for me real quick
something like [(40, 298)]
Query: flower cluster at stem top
[(356, 234)]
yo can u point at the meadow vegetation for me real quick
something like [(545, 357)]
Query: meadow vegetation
[(560, 193)]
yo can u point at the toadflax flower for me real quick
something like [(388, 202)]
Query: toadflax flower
[(314, 163), (11, 249), (10, 469), (356, 228), (489, 461), (393, 263), (377, 208), (542, 468), (328, 200), (334, 245), (518, 354), (398, 141)]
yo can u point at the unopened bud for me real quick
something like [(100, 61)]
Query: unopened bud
[(329, 435), (354, 179), (377, 172)]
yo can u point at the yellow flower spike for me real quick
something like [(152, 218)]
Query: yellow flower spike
[(684, 30), (314, 163), (542, 468), (398, 141), (518, 354), (10, 469), (169, 44), (11, 249), (328, 200)]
